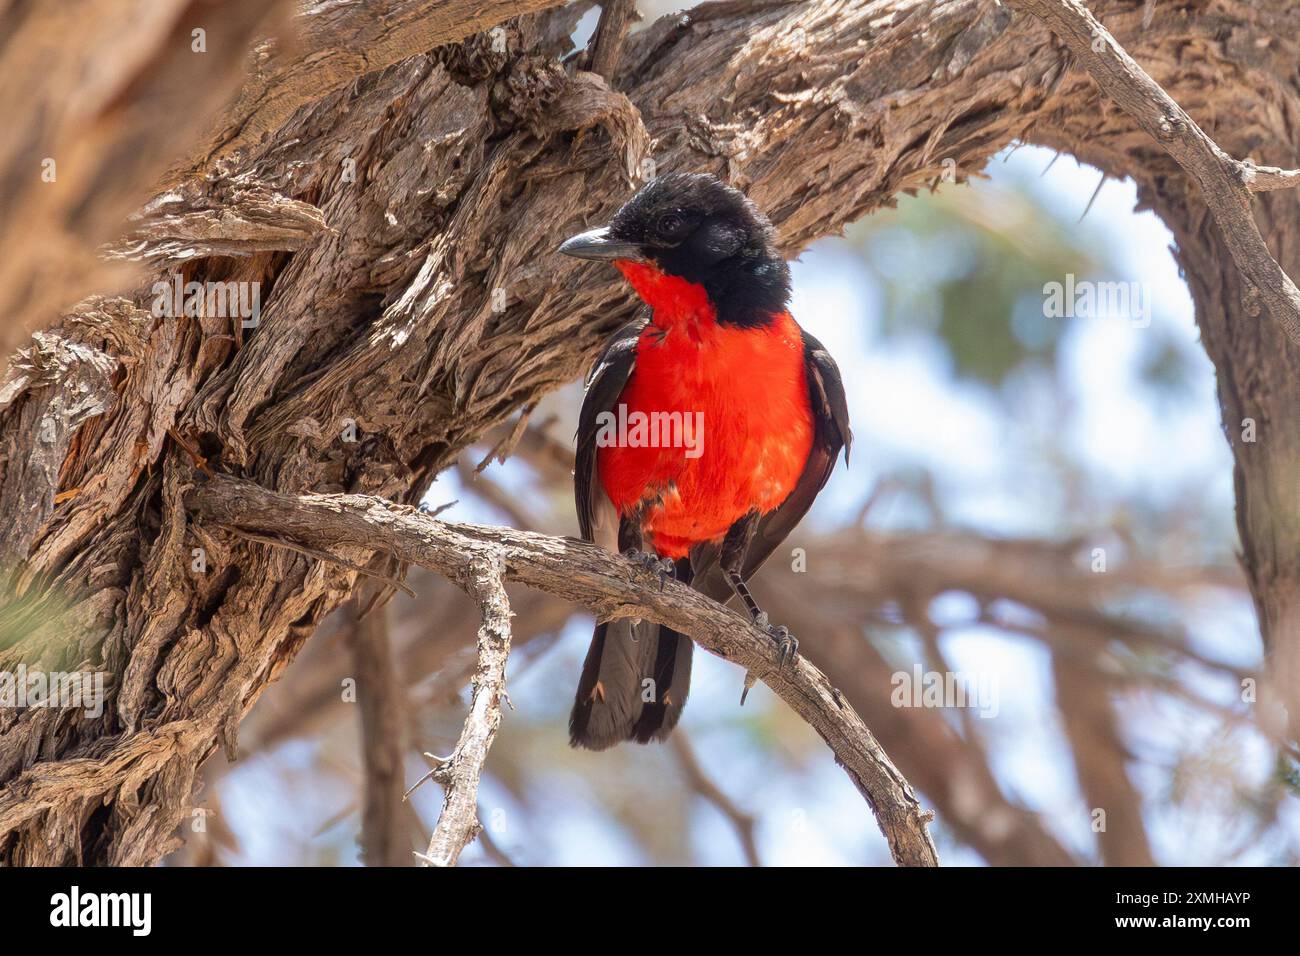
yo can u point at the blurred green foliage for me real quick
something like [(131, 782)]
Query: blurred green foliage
[(967, 265)]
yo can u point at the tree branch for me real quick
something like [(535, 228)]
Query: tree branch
[(616, 17), (1083, 694), (1262, 179), (458, 823), (468, 163), (610, 587), (1226, 183), (741, 822)]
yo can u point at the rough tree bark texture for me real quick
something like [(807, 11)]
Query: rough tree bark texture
[(401, 228), (112, 92)]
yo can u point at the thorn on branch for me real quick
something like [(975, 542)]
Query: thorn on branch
[(439, 773)]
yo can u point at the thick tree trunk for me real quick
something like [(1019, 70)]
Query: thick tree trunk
[(400, 230), (1259, 391)]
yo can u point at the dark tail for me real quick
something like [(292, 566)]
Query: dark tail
[(634, 682)]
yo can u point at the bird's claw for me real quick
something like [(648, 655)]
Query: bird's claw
[(665, 568), (786, 644)]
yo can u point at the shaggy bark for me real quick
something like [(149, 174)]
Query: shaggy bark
[(99, 99), (400, 227), (94, 141)]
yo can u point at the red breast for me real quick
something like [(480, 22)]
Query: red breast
[(747, 389)]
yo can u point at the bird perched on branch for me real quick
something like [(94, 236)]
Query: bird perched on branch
[(710, 424)]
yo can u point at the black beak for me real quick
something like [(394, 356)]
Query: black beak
[(598, 244)]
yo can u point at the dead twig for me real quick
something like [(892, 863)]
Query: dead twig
[(458, 823)]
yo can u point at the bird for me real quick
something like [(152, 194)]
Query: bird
[(751, 416)]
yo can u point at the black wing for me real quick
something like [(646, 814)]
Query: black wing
[(831, 417), (610, 705), (597, 519)]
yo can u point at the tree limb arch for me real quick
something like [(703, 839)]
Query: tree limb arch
[(1226, 183), (586, 575)]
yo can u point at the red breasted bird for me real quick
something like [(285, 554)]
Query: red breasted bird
[(761, 418)]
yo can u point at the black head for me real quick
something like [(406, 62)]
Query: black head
[(693, 226)]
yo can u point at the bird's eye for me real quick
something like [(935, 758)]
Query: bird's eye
[(670, 224)]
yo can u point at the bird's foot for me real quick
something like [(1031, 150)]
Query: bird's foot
[(786, 643), (665, 568)]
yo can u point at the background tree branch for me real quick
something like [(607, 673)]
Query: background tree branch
[(846, 602), (384, 741)]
